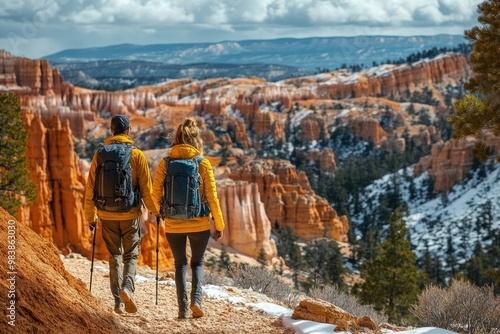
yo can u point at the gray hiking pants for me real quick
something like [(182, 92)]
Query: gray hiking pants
[(122, 238), (198, 242)]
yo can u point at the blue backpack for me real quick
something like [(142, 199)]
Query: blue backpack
[(181, 195)]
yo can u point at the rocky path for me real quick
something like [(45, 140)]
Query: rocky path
[(222, 315)]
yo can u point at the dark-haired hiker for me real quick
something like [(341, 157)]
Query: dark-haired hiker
[(121, 230)]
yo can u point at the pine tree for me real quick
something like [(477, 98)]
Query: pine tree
[(390, 278), (15, 183), (479, 110), (290, 252), (477, 266), (324, 261)]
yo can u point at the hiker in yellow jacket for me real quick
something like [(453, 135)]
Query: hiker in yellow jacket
[(121, 230), (187, 144)]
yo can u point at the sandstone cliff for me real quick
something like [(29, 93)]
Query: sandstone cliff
[(395, 80), (450, 161), (248, 226), (290, 201)]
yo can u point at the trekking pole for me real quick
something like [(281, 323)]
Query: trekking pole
[(157, 237), (92, 265)]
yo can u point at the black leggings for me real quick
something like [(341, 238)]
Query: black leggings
[(198, 242)]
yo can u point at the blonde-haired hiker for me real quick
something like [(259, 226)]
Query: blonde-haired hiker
[(187, 147)]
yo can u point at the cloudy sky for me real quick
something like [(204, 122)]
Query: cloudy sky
[(35, 28)]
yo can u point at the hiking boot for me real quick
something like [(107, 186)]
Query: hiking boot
[(119, 307), (196, 309), (128, 299), (183, 314)]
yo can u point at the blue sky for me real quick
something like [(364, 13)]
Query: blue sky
[(35, 28)]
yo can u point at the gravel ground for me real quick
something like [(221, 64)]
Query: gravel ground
[(221, 315)]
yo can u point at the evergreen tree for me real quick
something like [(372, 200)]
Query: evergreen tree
[(479, 110), (15, 182), (451, 259), (290, 251), (390, 278), (476, 268), (324, 261)]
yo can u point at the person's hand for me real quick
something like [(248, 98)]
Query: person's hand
[(92, 226), (218, 235)]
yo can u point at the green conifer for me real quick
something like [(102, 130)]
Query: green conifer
[(390, 278), (479, 110), (15, 182)]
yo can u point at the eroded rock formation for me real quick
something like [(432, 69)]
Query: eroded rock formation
[(248, 227), (450, 161), (396, 80), (290, 201)]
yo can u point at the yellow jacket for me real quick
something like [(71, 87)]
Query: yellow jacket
[(197, 224), (140, 177)]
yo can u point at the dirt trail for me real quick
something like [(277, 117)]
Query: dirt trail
[(221, 316)]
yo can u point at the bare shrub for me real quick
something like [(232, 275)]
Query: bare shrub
[(462, 307), (348, 303), (262, 280), (216, 278)]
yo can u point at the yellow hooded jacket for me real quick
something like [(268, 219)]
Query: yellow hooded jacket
[(140, 177), (197, 224)]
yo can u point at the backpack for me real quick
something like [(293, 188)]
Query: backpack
[(113, 190), (181, 195)]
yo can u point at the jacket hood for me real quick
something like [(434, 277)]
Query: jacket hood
[(121, 138), (183, 151)]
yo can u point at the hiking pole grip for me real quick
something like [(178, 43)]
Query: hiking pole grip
[(157, 250), (93, 248)]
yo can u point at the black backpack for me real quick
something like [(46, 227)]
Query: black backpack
[(113, 190), (181, 195)]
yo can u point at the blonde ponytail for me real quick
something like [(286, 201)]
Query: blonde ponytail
[(188, 132)]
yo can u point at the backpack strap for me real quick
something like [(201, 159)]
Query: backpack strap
[(198, 160)]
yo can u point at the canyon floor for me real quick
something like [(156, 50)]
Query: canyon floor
[(221, 316)]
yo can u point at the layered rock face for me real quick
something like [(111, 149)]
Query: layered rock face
[(450, 161), (248, 226), (290, 201), (395, 80), (57, 214)]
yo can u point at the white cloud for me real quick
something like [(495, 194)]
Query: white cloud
[(82, 23)]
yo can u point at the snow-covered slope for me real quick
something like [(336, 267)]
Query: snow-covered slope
[(468, 213)]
